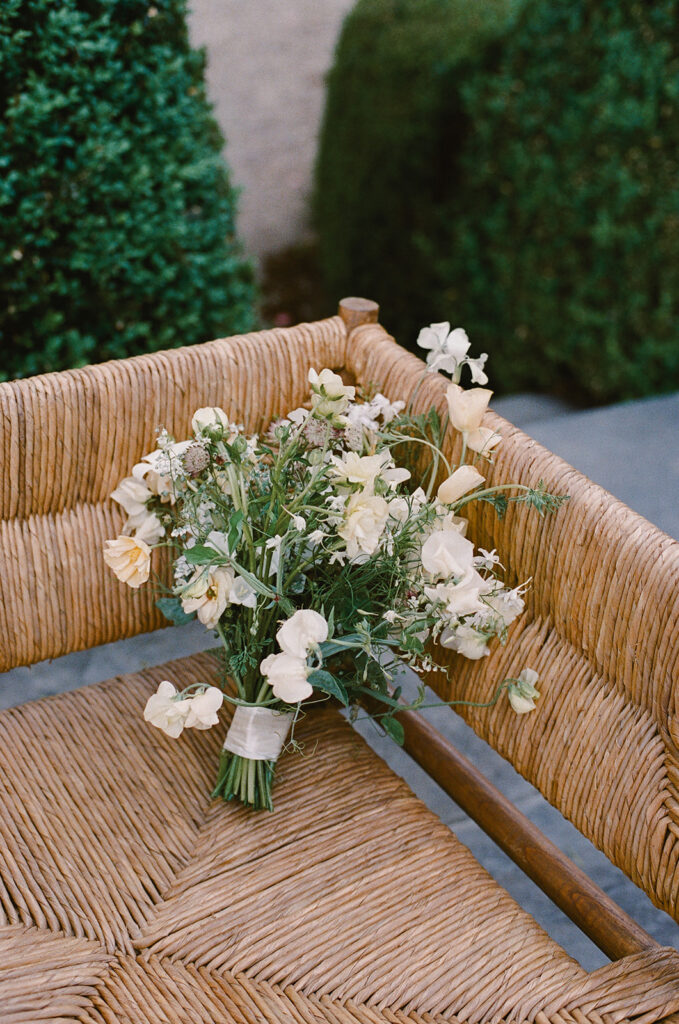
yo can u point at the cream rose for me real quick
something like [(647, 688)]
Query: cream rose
[(130, 559), (467, 408), (459, 483), (208, 418), (364, 522)]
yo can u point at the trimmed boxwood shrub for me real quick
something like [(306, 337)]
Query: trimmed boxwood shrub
[(552, 234), (116, 211)]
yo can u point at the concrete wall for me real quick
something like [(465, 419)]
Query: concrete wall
[(267, 61)]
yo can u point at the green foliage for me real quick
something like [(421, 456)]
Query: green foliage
[(551, 230), (115, 204)]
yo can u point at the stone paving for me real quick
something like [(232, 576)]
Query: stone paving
[(631, 448)]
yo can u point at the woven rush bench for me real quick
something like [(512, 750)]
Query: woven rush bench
[(127, 895)]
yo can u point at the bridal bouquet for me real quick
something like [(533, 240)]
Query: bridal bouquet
[(318, 557)]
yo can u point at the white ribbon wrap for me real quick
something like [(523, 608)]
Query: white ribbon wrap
[(258, 733)]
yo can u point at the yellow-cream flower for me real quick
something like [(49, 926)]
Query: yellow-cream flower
[(459, 483), (130, 559), (467, 408)]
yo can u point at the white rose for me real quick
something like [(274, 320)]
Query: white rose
[(467, 408), (207, 594), (459, 483), (364, 522), (447, 553), (208, 418), (483, 440), (130, 559), (302, 631), (466, 641), (203, 709), (165, 712), (287, 677), (522, 694)]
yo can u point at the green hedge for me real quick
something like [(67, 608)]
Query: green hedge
[(116, 209), (541, 208)]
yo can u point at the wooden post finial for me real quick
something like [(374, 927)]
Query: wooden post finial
[(355, 311)]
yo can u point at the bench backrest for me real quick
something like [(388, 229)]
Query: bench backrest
[(601, 624)]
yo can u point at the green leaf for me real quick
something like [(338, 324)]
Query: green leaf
[(202, 555), (322, 680), (171, 607), (235, 529), (394, 729)]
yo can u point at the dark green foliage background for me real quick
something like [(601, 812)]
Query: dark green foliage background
[(116, 212), (513, 168)]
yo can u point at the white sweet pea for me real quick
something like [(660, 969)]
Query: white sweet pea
[(399, 509), (483, 440), (150, 530), (466, 640), (381, 406), (203, 709), (329, 394), (461, 598), (299, 522), (447, 553), (364, 521), (274, 544), (130, 559), (208, 418), (459, 483), (395, 475), (522, 694), (287, 676), (207, 594), (240, 592), (467, 408), (476, 366), (165, 712), (301, 632), (447, 349), (132, 494), (507, 604)]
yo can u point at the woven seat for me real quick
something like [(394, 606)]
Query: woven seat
[(134, 897), (127, 895)]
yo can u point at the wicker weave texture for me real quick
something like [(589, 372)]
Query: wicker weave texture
[(67, 439), (126, 896), (601, 628)]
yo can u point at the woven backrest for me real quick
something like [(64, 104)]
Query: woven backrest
[(67, 439), (601, 627)]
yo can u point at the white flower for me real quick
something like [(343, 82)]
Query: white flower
[(299, 522), (357, 469), (399, 509), (287, 677), (459, 483), (207, 594), (209, 418), (130, 559), (447, 553), (329, 394), (476, 366), (132, 494), (274, 544), (447, 348), (203, 709), (315, 537), (395, 475), (483, 440), (467, 408), (302, 631), (166, 713), (466, 640), (381, 406), (461, 598), (487, 559), (522, 693), (364, 522), (150, 530), (507, 604), (241, 592)]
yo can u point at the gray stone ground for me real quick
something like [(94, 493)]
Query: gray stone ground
[(267, 61), (633, 449)]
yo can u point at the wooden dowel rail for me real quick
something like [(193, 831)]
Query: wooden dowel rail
[(588, 906)]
